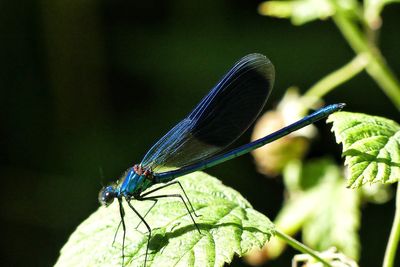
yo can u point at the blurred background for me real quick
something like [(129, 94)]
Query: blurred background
[(86, 87)]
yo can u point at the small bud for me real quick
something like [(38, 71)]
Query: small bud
[(271, 158)]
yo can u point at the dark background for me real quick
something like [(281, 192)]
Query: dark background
[(86, 87)]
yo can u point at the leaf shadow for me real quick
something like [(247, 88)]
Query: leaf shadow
[(158, 241)]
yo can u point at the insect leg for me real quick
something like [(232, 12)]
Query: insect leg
[(116, 232), (169, 184), (174, 195), (147, 226), (152, 206), (122, 214)]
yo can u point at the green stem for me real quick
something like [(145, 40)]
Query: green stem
[(394, 237), (301, 247), (377, 67), (334, 79)]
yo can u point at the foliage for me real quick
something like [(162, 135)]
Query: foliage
[(327, 213), (371, 145), (325, 223), (228, 224), (317, 200)]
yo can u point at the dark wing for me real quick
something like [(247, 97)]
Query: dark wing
[(223, 115)]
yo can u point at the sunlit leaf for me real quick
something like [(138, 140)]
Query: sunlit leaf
[(303, 11), (228, 224), (371, 146), (321, 206), (335, 219)]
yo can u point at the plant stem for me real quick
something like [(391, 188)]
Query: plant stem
[(301, 247), (394, 237), (334, 79), (377, 67)]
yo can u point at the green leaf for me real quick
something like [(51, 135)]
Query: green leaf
[(335, 220), (319, 204), (371, 146), (228, 224), (303, 11), (299, 11)]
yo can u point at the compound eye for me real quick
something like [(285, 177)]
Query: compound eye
[(107, 195)]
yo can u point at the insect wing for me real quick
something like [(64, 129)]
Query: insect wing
[(221, 117)]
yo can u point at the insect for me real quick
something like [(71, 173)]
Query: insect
[(200, 139)]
